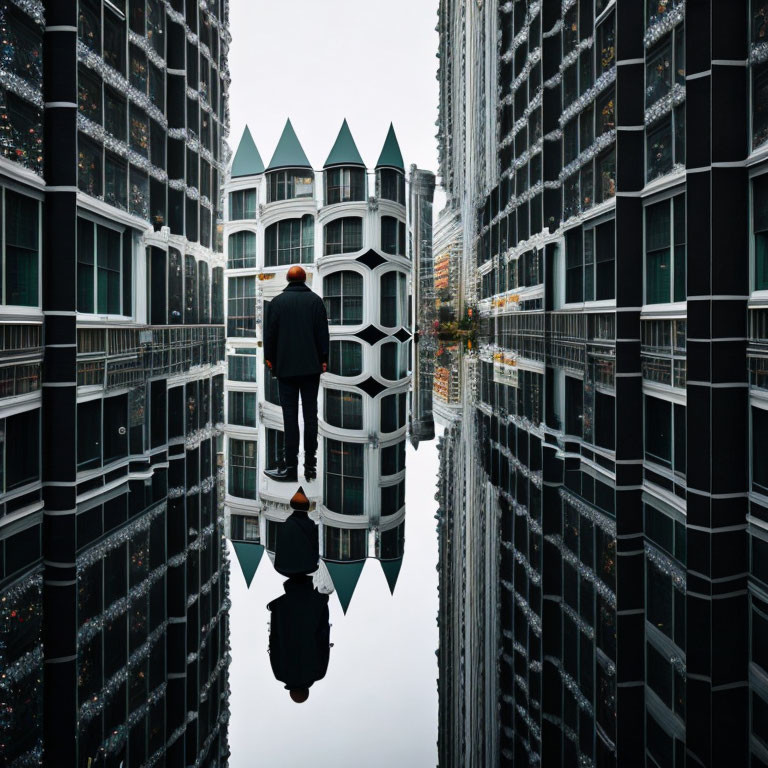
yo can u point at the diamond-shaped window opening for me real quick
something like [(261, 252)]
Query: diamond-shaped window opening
[(372, 387), (402, 335), (371, 334), (371, 259)]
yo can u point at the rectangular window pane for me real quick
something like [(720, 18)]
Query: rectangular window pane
[(21, 249)]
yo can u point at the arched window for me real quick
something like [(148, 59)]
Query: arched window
[(242, 204), (392, 236), (290, 184), (190, 290), (394, 360), (343, 235), (394, 300), (344, 477), (393, 412), (242, 250), (343, 409), (345, 358), (391, 185), (343, 295), (290, 241), (392, 498), (344, 185)]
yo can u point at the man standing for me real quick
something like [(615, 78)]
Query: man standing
[(296, 351)]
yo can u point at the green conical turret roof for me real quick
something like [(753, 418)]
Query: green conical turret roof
[(391, 570), (390, 154), (344, 151), (249, 556), (288, 153), (247, 160), (345, 577)]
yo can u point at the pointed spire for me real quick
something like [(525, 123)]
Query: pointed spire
[(345, 577), (390, 156), (249, 556), (391, 570), (289, 152), (344, 151), (299, 500), (247, 160)]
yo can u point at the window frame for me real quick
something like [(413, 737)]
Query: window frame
[(97, 222), (288, 178), (348, 190), (344, 223)]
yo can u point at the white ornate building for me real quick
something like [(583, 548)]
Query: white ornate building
[(346, 226)]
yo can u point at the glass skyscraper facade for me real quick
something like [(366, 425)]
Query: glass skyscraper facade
[(605, 159), (113, 638)]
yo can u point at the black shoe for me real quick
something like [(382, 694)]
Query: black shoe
[(282, 474), (310, 468)]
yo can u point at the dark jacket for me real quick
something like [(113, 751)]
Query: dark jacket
[(299, 634), (296, 332), (297, 550)]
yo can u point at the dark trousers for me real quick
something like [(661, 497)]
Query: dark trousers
[(290, 387)]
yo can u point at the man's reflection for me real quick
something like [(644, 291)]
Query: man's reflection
[(299, 636), (299, 632)]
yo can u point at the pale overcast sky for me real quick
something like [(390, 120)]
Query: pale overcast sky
[(317, 62)]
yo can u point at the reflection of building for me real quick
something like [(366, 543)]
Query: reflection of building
[(620, 502), (447, 268), (422, 189), (348, 228), (113, 571)]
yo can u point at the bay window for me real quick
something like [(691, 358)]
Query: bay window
[(393, 458), (392, 498), (242, 469), (344, 544), (393, 412), (241, 306), (343, 409), (343, 235), (391, 185), (242, 250), (344, 477), (242, 204), (393, 236), (290, 241), (241, 365), (345, 358), (290, 184), (343, 296), (665, 251), (242, 409), (394, 360), (344, 185), (393, 300)]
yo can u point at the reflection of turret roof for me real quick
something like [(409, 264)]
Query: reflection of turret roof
[(344, 151), (289, 152), (391, 570), (345, 577), (247, 160), (391, 156), (249, 555)]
